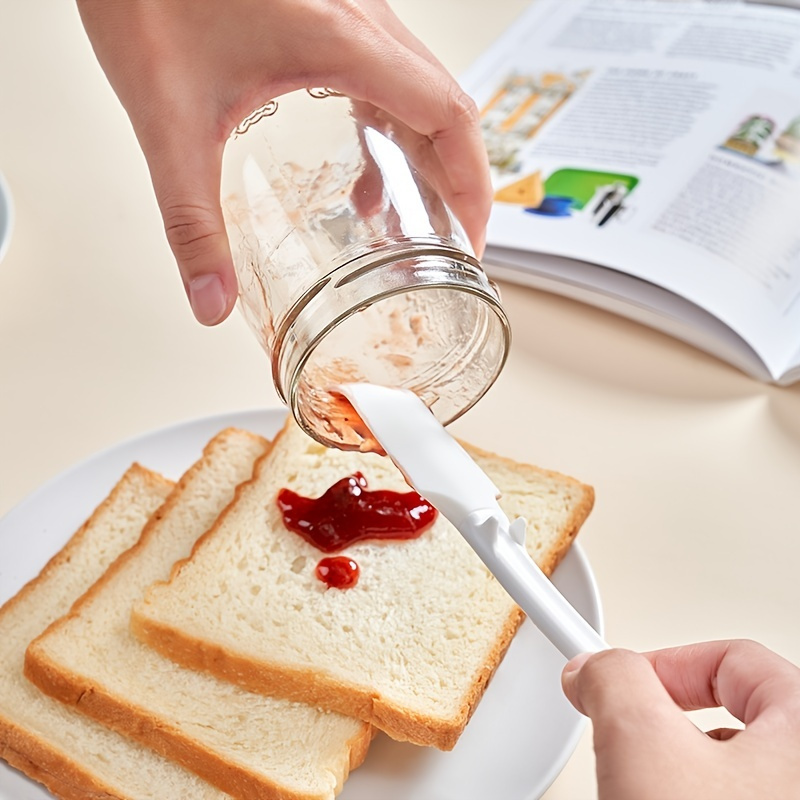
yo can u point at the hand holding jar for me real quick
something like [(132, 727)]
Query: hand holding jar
[(189, 71)]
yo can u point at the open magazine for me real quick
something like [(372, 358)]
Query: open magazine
[(646, 159)]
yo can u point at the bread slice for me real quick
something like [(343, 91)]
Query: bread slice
[(75, 757), (409, 649), (245, 744)]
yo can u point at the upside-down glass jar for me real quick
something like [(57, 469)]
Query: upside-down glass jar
[(350, 265)]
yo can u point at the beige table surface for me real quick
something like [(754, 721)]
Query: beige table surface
[(696, 467)]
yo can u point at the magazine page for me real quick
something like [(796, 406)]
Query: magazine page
[(657, 138)]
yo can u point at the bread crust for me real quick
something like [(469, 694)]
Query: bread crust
[(37, 759), (172, 500), (141, 724), (168, 741), (155, 481), (27, 752), (311, 687), (316, 688)]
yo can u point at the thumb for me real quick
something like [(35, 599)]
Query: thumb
[(185, 170), (621, 693)]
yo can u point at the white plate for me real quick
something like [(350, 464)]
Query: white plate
[(522, 733), (6, 216)]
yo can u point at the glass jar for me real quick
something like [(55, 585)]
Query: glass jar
[(350, 265)]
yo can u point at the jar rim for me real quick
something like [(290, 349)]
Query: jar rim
[(361, 284)]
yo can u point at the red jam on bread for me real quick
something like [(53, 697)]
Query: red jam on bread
[(338, 572), (347, 513)]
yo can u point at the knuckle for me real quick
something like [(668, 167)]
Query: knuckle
[(462, 107), (189, 229), (792, 708), (456, 111), (600, 664), (347, 21), (746, 647), (603, 669)]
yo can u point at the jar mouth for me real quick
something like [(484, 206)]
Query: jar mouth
[(423, 317)]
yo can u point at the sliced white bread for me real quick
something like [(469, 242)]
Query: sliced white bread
[(245, 744), (409, 649), (73, 756)]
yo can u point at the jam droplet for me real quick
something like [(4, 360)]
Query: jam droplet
[(339, 572), (348, 513)]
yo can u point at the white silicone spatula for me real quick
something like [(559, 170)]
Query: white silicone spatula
[(442, 472)]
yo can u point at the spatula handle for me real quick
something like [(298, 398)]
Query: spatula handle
[(532, 590), (547, 608)]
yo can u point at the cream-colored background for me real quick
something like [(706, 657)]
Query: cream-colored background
[(696, 467)]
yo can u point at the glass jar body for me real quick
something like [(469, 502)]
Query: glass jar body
[(350, 265)]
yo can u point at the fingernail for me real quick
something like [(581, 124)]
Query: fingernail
[(576, 663), (207, 297)]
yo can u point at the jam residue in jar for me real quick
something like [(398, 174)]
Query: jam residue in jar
[(347, 513), (339, 417), (338, 572)]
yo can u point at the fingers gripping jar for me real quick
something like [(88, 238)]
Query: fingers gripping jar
[(350, 265)]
